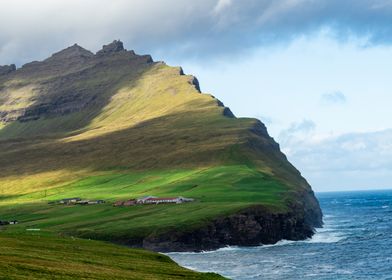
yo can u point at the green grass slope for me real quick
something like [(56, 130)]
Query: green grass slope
[(36, 256), (116, 126), (218, 191)]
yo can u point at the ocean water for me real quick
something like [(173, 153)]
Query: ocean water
[(355, 243)]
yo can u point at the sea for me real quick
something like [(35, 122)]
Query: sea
[(355, 243)]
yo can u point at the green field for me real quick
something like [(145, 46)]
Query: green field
[(38, 256), (217, 191)]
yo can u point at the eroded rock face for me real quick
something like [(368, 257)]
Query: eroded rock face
[(114, 47), (250, 227), (6, 69)]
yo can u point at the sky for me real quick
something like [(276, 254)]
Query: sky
[(316, 72)]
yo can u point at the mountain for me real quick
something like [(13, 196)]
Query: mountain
[(116, 125)]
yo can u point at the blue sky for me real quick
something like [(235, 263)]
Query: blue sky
[(316, 72)]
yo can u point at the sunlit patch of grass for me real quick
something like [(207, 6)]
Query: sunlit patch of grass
[(217, 191)]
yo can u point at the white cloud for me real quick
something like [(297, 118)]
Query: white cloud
[(333, 98)]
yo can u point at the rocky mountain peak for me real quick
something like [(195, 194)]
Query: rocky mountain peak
[(114, 47), (74, 51)]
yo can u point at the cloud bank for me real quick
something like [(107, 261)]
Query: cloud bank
[(203, 28), (351, 160)]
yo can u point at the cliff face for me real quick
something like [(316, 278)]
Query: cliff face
[(82, 116), (251, 227)]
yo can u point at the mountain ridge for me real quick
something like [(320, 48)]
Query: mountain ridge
[(77, 117)]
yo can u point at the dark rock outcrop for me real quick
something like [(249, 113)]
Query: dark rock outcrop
[(193, 81), (6, 69), (250, 227), (226, 110), (72, 52), (114, 47)]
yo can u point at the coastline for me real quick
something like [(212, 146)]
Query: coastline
[(253, 226)]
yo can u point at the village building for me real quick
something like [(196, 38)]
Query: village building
[(90, 202), (130, 202), (79, 201), (159, 200), (142, 200), (93, 202), (82, 202), (119, 203), (5, 223), (153, 200), (73, 200)]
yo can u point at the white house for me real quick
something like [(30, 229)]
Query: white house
[(159, 200)]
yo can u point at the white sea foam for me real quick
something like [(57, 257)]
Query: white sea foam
[(327, 234), (228, 248), (326, 237), (323, 235), (283, 242), (328, 216)]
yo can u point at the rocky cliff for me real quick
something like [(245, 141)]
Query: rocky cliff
[(253, 226)]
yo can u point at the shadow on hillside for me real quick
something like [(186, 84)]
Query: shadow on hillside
[(183, 139), (7, 197), (86, 90), (193, 138)]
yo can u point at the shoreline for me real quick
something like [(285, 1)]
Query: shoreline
[(249, 227)]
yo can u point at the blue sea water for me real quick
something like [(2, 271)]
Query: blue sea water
[(355, 243)]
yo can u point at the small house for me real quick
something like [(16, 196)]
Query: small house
[(73, 200), (119, 203), (82, 202), (143, 200), (130, 202), (93, 202), (159, 200)]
